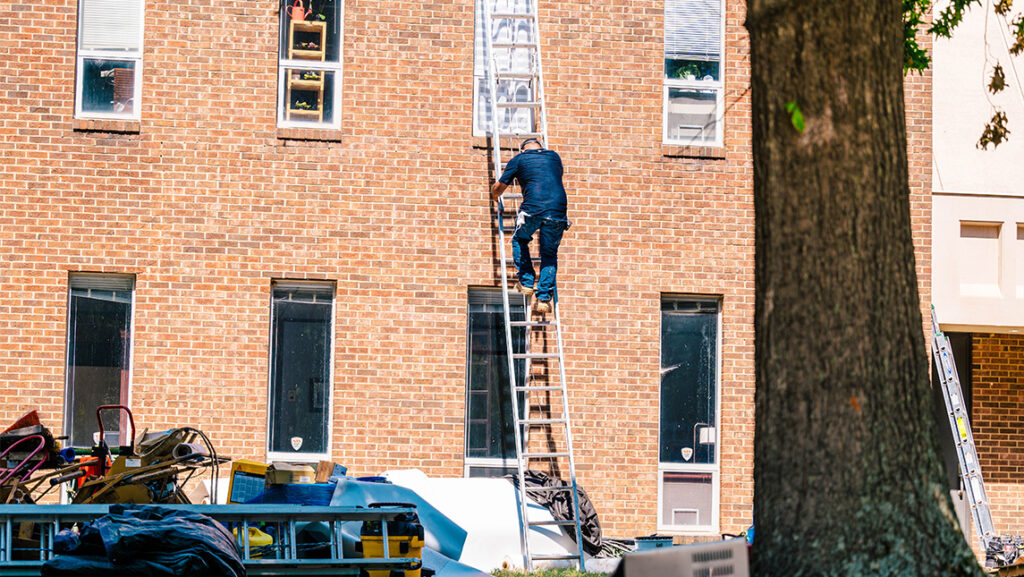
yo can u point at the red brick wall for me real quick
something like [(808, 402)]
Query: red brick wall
[(205, 205), (997, 382)]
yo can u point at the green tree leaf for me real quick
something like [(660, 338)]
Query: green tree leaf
[(796, 116)]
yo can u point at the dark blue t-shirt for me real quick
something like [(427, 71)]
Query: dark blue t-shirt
[(539, 172)]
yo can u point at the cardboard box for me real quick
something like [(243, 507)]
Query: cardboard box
[(326, 469), (284, 473)]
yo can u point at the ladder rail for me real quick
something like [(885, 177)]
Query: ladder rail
[(521, 418), (542, 117), (963, 438), (500, 205), (568, 431)]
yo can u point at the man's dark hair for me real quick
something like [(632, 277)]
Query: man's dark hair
[(522, 146)]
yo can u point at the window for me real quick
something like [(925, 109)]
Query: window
[(490, 438), (510, 59), (98, 353), (109, 77), (301, 336), (688, 441), (694, 100), (309, 64)]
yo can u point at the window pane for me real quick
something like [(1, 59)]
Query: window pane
[(108, 86), (492, 472), (300, 371), (687, 499), (99, 329), (488, 406), (692, 115), (316, 36), (110, 25), (506, 60), (309, 95), (689, 345), (692, 70)]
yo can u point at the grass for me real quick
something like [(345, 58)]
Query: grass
[(546, 573)]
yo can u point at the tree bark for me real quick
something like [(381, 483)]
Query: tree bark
[(847, 477)]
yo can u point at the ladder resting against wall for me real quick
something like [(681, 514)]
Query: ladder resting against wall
[(515, 101)]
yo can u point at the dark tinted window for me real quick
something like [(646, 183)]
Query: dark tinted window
[(300, 367), (689, 376)]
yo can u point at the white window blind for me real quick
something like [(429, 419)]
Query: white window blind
[(693, 29), (111, 25), (108, 282)]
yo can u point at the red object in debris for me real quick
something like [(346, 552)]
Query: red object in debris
[(29, 419)]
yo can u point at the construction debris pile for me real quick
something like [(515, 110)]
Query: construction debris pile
[(288, 513)]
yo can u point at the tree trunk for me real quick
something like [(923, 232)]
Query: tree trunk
[(847, 477)]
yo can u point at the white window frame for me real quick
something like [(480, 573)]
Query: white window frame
[(713, 468), (467, 461), (284, 64), (717, 85), (481, 75), (134, 56), (303, 457), (67, 343)]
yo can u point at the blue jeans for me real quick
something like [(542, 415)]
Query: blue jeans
[(550, 236)]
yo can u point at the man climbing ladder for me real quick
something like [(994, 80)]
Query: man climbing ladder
[(539, 172)]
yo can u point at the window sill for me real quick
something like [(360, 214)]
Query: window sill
[(688, 151), (315, 134), (107, 125), (680, 532)]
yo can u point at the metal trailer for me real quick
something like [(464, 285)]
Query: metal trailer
[(282, 558)]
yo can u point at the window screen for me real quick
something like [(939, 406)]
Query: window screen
[(300, 367), (489, 428), (689, 367), (98, 353)]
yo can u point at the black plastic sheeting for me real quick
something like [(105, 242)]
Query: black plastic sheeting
[(146, 541), (560, 505)]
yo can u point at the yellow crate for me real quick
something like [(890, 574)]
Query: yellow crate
[(373, 548)]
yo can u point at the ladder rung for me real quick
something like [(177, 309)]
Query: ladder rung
[(535, 356), (555, 488), (511, 196), (544, 455), (516, 75), (555, 522), (530, 104), (532, 323), (541, 421), (529, 388), (553, 557), (509, 260), (511, 15), (518, 134), (513, 45)]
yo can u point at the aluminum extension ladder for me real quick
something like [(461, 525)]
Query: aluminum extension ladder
[(516, 104), (960, 426), (285, 557)]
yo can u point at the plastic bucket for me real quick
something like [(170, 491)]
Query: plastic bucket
[(652, 542)]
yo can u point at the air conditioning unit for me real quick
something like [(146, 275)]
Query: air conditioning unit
[(714, 559)]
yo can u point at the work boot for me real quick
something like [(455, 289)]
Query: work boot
[(526, 290), (543, 306)]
